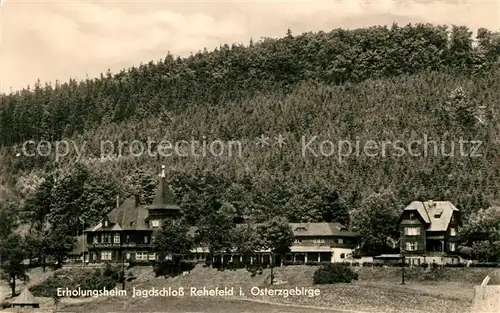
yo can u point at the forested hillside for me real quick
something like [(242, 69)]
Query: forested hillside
[(398, 83)]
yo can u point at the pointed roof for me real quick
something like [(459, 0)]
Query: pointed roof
[(25, 298), (128, 216), (437, 214), (164, 198)]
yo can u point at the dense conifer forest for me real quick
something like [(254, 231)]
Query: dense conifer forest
[(379, 83)]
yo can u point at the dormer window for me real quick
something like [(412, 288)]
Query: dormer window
[(437, 214), (301, 228)]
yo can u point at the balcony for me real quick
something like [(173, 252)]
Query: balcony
[(118, 245)]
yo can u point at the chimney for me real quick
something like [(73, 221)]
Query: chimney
[(117, 201), (431, 203), (162, 174), (162, 182)]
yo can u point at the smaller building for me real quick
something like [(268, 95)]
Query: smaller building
[(320, 242), (25, 299), (313, 242), (429, 231)]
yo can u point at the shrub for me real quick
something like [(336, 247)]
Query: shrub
[(334, 273)]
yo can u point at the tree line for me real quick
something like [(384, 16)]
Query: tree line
[(239, 72)]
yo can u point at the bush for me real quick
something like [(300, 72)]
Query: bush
[(334, 273), (95, 280)]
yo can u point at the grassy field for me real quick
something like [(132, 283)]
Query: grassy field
[(378, 290)]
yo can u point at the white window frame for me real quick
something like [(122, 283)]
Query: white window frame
[(106, 255), (412, 246), (319, 240), (297, 241), (152, 256), (116, 238), (95, 239), (341, 240), (155, 223), (453, 231), (412, 231), (146, 239), (141, 256)]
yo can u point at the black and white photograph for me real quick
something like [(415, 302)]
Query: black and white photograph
[(249, 156)]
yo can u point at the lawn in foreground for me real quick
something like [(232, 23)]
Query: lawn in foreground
[(183, 305)]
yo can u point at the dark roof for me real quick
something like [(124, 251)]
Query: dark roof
[(132, 216), (128, 216), (164, 198)]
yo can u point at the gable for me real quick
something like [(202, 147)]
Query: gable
[(417, 207), (436, 214), (164, 198), (128, 216), (440, 213), (320, 230)]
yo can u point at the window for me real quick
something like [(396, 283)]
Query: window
[(411, 246), (106, 255), (319, 240), (152, 256), (106, 238), (141, 256), (145, 239), (453, 232), (412, 216), (412, 231), (342, 255), (341, 240), (297, 241), (117, 238), (105, 223), (155, 223), (452, 246), (96, 239), (438, 213), (128, 255)]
